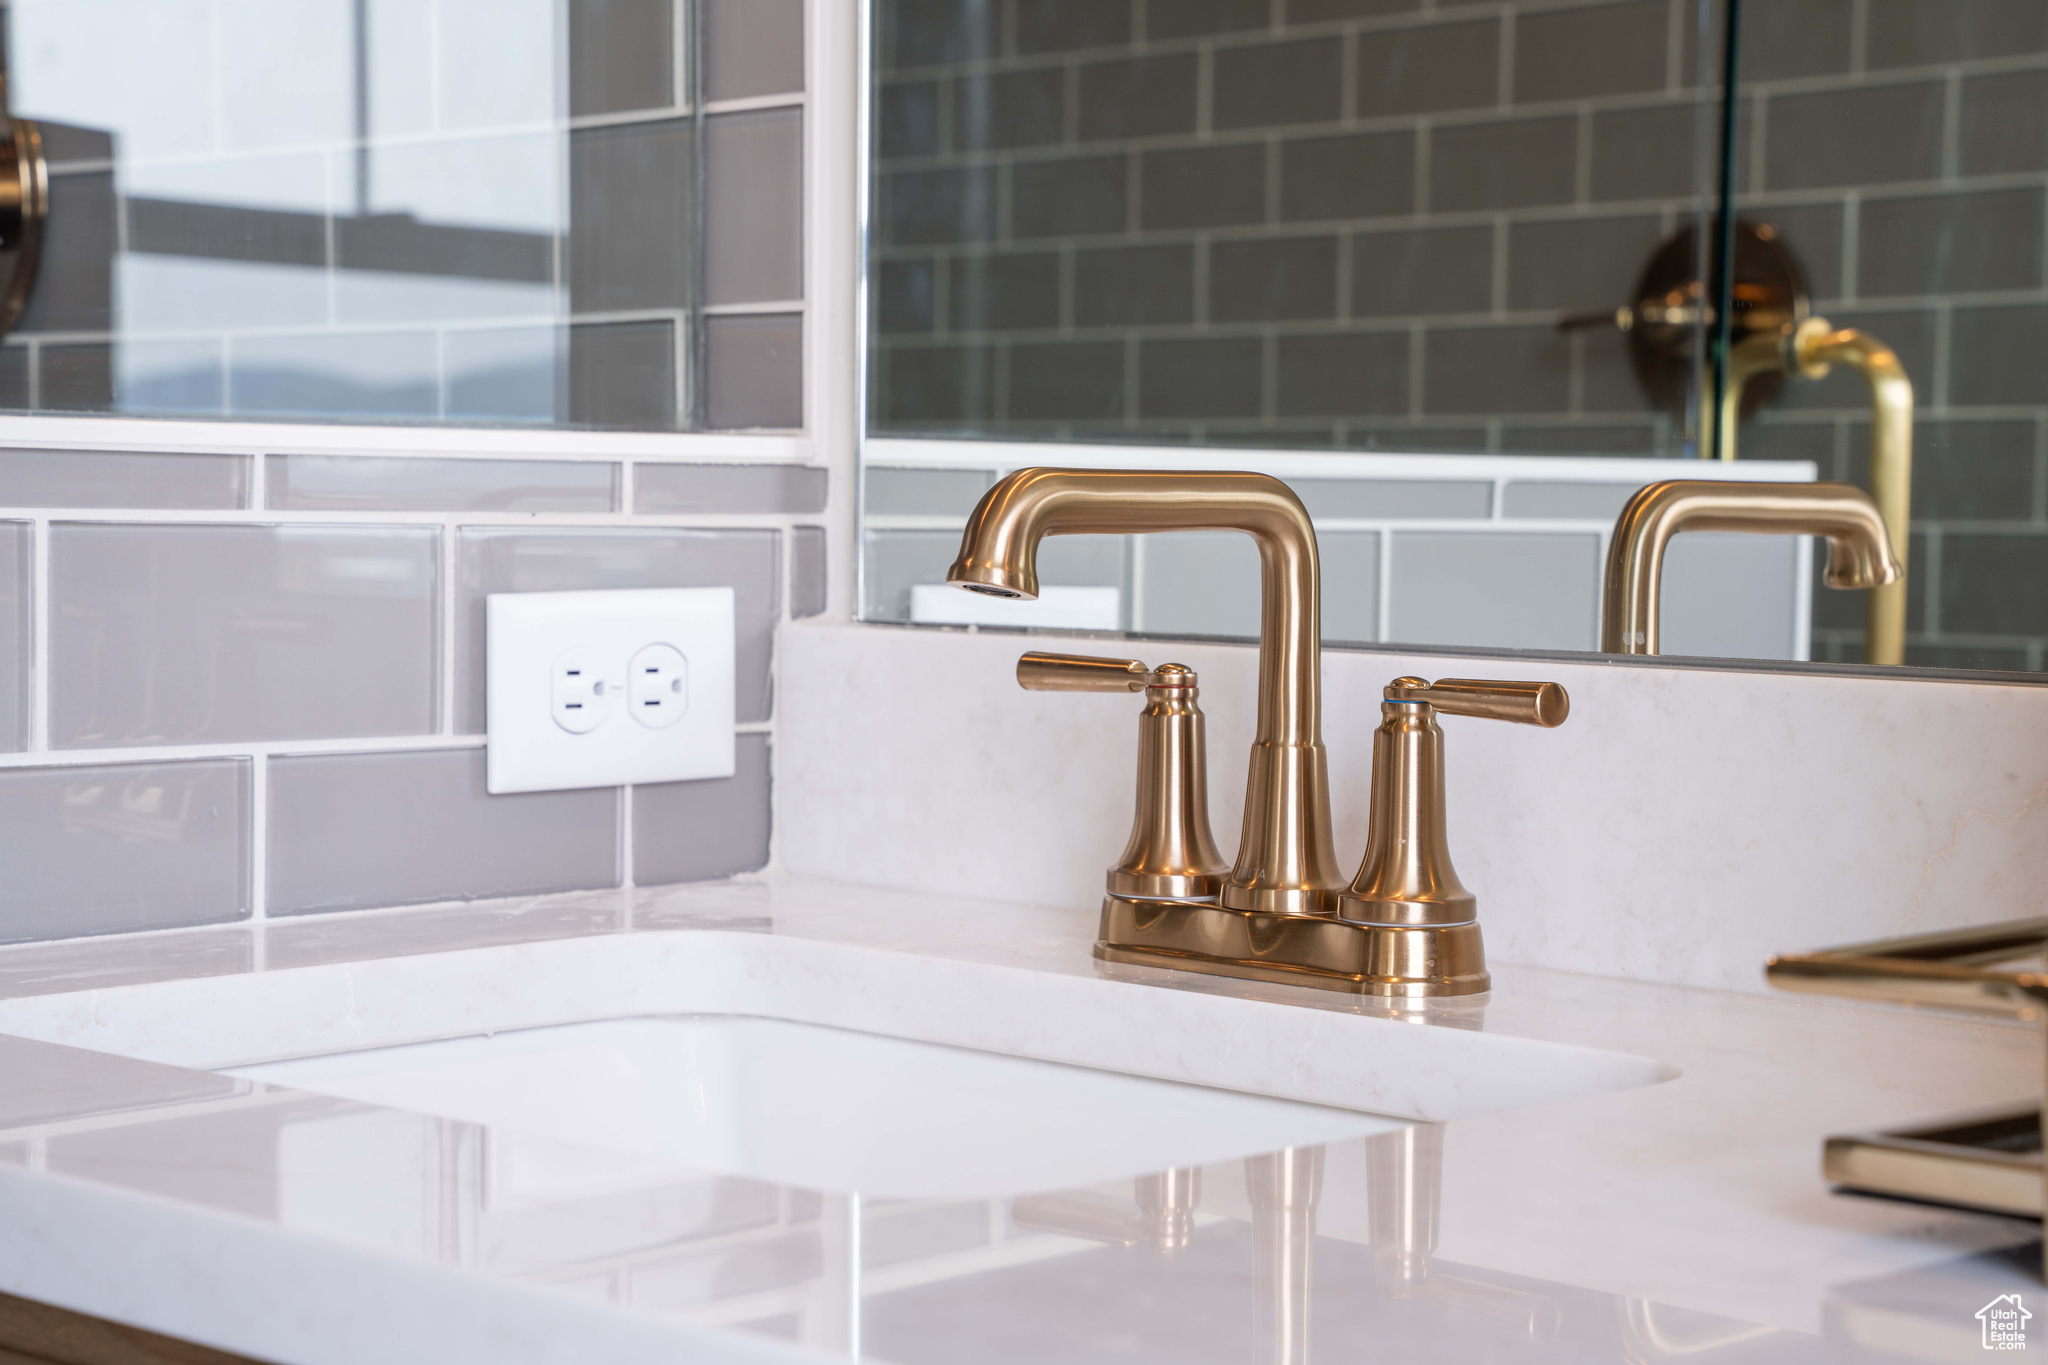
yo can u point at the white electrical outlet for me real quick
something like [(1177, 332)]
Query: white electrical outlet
[(603, 689)]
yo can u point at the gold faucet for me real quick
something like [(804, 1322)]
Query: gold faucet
[(1808, 350), (1860, 552), (1286, 863)]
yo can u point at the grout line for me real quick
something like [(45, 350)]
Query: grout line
[(39, 647), (259, 841), (444, 647)]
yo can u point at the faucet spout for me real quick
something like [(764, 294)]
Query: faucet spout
[(1286, 863)]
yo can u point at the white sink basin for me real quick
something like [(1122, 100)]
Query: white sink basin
[(603, 1062), (798, 1104)]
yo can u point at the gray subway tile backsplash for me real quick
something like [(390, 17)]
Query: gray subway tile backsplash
[(621, 55), (114, 848), (809, 573), (752, 48), (204, 634), (754, 371), (698, 831), (91, 478), (753, 209), (349, 831), (370, 483), (17, 570), (489, 559), (671, 489), (1557, 501), (1540, 591), (925, 492), (1405, 499)]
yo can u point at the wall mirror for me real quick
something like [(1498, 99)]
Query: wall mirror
[(1450, 269)]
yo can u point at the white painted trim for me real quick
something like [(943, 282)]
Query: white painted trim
[(496, 443)]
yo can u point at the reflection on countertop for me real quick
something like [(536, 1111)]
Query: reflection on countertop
[(1680, 1220)]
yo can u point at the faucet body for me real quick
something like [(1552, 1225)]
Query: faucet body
[(1860, 552), (1286, 862)]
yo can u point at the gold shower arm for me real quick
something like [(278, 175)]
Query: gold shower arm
[(1808, 351)]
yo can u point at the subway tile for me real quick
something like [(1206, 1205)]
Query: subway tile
[(1273, 278), (631, 248), (621, 55), (752, 48), (1198, 583), (809, 574), (1200, 18), (1649, 153), (506, 374), (1322, 11), (1785, 41), (1200, 377), (1503, 165), (75, 275), (1260, 436), (2002, 128), (1968, 471), (754, 192), (903, 296), (1069, 25), (347, 374), (1994, 356), (672, 489), (907, 118), (1203, 186), (92, 478), (1070, 197), (1584, 52), (14, 377), (117, 848), (1496, 369), (1364, 175), (182, 378), (78, 378), (925, 492), (1137, 97), (936, 384), (1560, 500), (1923, 32), (16, 640), (376, 483), (997, 293), (1854, 137), (1813, 234), (1428, 69), (623, 375), (1422, 270), (209, 634), (1132, 285), (1950, 243), (1909, 332), (1994, 584), (1067, 380), (1357, 374), (354, 831), (948, 205), (1500, 590), (1274, 84), (928, 32), (226, 232), (1414, 439), (1395, 499), (1350, 562), (1763, 439), (1582, 438), (700, 831), (491, 560), (1578, 263), (66, 142), (1607, 374), (1010, 109), (1728, 596), (754, 372)]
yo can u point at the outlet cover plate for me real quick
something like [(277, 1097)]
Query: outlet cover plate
[(540, 652)]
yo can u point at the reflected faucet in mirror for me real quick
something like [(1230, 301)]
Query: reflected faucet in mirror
[(1406, 927), (1860, 548)]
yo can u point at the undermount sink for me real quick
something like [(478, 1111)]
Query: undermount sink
[(609, 1061), (826, 1109)]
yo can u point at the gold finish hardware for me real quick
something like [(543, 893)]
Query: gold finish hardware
[(1859, 547), (1164, 1222), (1809, 349), (1286, 863), (24, 206), (1406, 927), (1988, 1159), (1171, 854)]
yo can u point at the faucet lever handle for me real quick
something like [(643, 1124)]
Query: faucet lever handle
[(1037, 672), (1523, 703)]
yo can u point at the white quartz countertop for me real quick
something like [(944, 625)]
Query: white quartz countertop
[(1680, 1218)]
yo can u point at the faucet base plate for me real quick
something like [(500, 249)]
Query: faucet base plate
[(1297, 950)]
